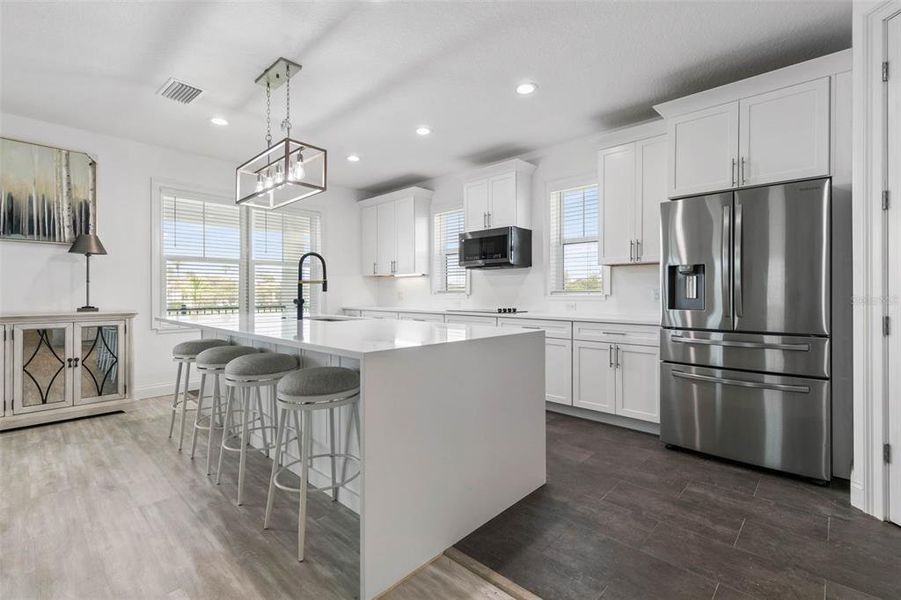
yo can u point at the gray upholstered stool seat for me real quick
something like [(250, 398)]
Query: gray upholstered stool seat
[(220, 356), (211, 363), (195, 347), (244, 377), (299, 395), (260, 364), (318, 381), (184, 354)]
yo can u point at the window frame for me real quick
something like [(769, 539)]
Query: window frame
[(555, 269), (439, 267)]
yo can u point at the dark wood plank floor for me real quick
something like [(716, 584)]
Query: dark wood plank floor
[(623, 517)]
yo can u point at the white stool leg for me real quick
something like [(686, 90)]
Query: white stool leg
[(276, 418), (276, 463), (306, 451), (215, 417), (197, 414), (175, 398), (184, 406), (351, 421), (245, 396), (259, 399), (331, 437), (226, 428)]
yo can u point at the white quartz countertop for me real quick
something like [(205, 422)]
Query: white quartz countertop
[(346, 336), (587, 318)]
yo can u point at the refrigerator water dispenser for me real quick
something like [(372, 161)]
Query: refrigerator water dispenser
[(685, 287)]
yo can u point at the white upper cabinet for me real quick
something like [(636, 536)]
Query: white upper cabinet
[(784, 134), (767, 129), (704, 150), (631, 186), (395, 233), (499, 196)]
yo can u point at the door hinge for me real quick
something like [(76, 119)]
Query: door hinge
[(887, 453), (884, 199), (885, 71), (885, 325)]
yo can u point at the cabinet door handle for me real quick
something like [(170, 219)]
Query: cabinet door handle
[(618, 364), (68, 363), (631, 250), (743, 170), (732, 173), (637, 250), (75, 361), (489, 219), (610, 356), (484, 220)]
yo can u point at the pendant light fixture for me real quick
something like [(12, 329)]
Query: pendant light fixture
[(286, 171)]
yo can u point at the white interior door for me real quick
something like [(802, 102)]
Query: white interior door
[(594, 376), (387, 240), (784, 134), (502, 207), (638, 382), (558, 371), (369, 231), (894, 263), (616, 197), (651, 182), (703, 150), (475, 205), (405, 235)]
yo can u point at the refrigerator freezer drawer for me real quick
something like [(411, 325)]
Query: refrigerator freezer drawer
[(777, 422), (784, 354)]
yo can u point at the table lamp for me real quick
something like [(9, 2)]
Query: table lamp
[(87, 244)]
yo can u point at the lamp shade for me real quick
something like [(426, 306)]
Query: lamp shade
[(87, 244)]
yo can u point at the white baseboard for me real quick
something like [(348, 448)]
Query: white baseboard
[(591, 415), (161, 389)]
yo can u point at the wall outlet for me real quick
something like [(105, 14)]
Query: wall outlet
[(655, 294), (570, 307)]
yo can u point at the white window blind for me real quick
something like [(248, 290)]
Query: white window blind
[(201, 255), (278, 240), (448, 275), (574, 241)]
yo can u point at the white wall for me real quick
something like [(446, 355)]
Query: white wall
[(633, 287), (46, 278)]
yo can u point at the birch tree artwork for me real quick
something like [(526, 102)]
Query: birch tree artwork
[(46, 194)]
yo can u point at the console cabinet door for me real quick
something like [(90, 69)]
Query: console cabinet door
[(703, 150), (99, 372), (42, 376), (594, 377), (369, 231), (785, 134), (558, 375), (637, 382)]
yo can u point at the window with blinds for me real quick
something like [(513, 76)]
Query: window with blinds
[(201, 254), (278, 240), (449, 276), (573, 227)]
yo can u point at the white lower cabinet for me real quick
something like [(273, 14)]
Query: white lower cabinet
[(470, 320), (377, 314), (558, 371), (594, 377), (423, 317), (637, 382)]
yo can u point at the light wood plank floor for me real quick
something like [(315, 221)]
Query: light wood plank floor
[(105, 507)]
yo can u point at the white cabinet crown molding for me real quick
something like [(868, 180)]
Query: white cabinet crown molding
[(414, 191), (504, 166), (824, 66), (632, 133)]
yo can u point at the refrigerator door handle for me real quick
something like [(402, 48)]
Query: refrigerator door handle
[(734, 344), (737, 262), (779, 387), (725, 260)]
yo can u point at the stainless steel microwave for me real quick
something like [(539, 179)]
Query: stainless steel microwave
[(500, 248)]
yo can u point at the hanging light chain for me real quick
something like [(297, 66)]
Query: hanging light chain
[(286, 124), (268, 115)]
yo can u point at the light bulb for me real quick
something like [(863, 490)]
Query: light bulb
[(299, 171), (268, 179), (259, 182), (279, 176)]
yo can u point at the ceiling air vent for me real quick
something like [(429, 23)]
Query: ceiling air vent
[(179, 91)]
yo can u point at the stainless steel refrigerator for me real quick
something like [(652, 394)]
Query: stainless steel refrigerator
[(756, 340)]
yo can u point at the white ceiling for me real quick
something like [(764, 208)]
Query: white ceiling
[(373, 72)]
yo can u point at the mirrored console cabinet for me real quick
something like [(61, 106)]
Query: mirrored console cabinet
[(63, 366)]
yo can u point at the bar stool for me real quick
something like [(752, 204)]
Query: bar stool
[(212, 362), (302, 393), (249, 374), (184, 354)]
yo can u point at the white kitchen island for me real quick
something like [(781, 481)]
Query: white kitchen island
[(453, 425)]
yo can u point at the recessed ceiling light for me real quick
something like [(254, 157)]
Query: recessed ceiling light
[(423, 130), (218, 121), (353, 158), (526, 88)]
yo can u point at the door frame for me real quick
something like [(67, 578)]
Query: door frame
[(869, 475)]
